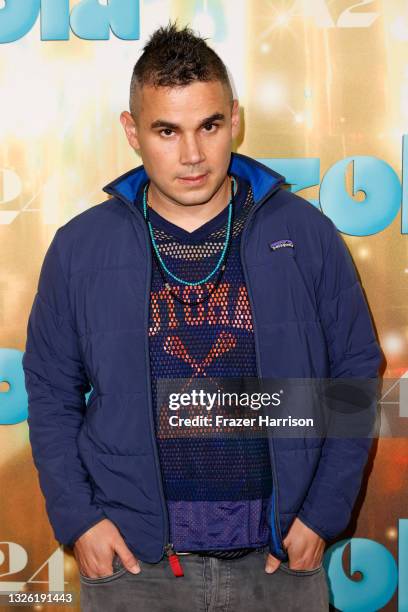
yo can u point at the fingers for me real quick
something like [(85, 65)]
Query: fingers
[(128, 559), (94, 550), (95, 570), (309, 561), (272, 564)]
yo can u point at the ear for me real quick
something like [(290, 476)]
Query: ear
[(130, 128), (235, 119)]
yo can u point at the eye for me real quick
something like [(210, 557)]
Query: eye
[(210, 125), (165, 132)]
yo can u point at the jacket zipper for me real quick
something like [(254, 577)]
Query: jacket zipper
[(166, 546), (275, 526)]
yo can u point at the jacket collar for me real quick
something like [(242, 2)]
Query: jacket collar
[(263, 180)]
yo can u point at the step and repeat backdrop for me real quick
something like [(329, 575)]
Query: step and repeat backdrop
[(323, 89)]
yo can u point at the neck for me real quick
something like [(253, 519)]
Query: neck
[(189, 217)]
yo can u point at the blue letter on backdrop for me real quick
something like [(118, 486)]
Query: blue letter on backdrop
[(403, 565), (17, 18), (55, 20), (382, 189), (404, 209), (14, 402), (300, 173), (89, 19), (379, 575), (93, 21)]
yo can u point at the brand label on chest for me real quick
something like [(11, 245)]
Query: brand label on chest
[(280, 244)]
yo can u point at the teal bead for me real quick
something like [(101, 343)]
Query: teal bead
[(177, 278)]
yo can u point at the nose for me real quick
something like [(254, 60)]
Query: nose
[(191, 152)]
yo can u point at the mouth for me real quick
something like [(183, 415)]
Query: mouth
[(197, 179)]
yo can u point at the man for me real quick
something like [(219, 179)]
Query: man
[(200, 265)]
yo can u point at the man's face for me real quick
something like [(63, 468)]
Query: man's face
[(182, 134)]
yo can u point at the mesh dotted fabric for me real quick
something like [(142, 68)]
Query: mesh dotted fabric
[(221, 485)]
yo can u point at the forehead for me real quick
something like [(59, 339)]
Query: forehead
[(181, 105)]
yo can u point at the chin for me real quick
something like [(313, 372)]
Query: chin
[(197, 196)]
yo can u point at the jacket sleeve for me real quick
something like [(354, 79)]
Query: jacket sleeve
[(353, 353), (56, 386)]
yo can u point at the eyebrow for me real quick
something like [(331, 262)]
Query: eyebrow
[(162, 123)]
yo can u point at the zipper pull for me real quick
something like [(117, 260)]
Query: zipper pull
[(174, 561)]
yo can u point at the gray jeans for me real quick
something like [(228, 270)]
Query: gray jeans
[(208, 585)]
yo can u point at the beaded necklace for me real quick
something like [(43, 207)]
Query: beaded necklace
[(221, 264)]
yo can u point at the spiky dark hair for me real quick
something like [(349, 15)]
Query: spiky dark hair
[(175, 57)]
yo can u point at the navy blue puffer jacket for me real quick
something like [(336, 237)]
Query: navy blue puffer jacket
[(88, 330)]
